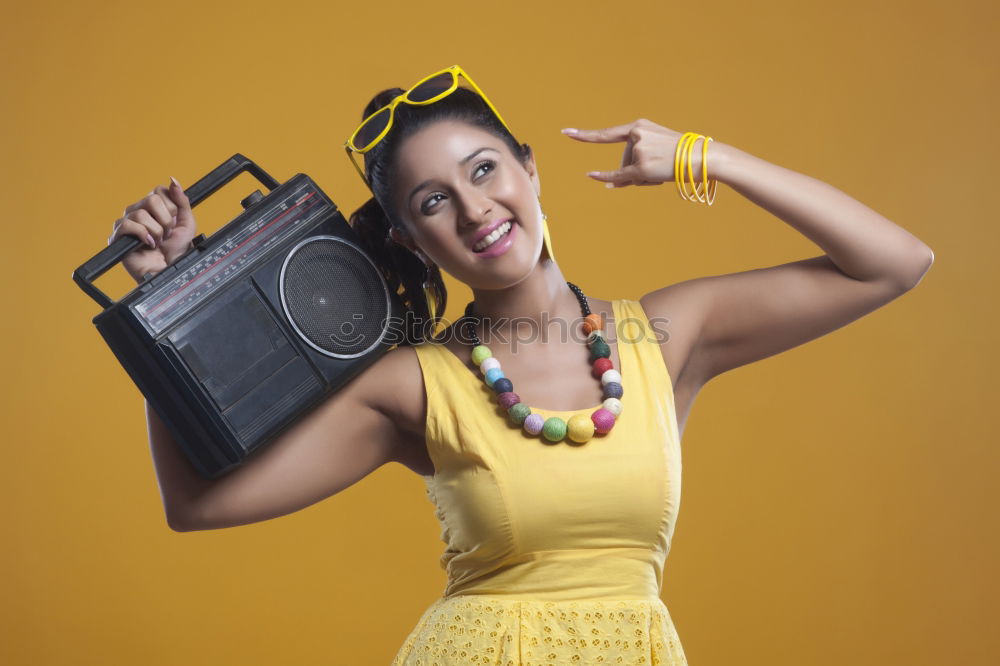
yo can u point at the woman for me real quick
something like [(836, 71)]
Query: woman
[(554, 458)]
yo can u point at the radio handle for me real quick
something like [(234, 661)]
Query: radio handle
[(97, 265)]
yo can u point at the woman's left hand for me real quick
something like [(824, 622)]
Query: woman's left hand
[(648, 158)]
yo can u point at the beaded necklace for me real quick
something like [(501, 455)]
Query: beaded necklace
[(580, 427)]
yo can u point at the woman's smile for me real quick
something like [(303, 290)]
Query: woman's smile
[(495, 239)]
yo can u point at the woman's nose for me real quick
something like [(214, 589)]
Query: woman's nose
[(477, 210)]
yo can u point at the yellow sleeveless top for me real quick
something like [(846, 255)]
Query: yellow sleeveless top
[(554, 552)]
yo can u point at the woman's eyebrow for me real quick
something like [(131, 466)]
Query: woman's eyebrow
[(462, 161)]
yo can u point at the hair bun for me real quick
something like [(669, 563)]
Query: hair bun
[(379, 100)]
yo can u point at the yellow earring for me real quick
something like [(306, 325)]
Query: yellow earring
[(547, 237)]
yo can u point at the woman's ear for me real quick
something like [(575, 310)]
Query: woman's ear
[(532, 169), (402, 237)]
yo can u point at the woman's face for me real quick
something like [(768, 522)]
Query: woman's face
[(454, 185)]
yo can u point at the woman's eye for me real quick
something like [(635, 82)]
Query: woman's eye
[(425, 207), (487, 164)]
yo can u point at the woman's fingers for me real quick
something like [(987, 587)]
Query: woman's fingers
[(606, 135), (126, 226), (143, 217), (626, 175), (163, 209), (185, 216)]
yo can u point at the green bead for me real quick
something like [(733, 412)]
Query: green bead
[(518, 412), (480, 353), (554, 429), (599, 349)]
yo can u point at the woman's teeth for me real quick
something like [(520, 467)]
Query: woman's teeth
[(497, 234)]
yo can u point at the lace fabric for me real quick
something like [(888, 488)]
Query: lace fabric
[(481, 630)]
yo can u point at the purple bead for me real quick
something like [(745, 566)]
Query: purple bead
[(503, 385), (603, 420), (613, 390), (533, 424), (508, 399)]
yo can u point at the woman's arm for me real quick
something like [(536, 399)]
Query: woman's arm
[(354, 432), (731, 320)]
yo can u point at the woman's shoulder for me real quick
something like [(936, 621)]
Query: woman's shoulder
[(393, 384)]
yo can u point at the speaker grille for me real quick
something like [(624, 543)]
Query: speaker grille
[(334, 296)]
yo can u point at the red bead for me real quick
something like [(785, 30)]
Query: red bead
[(601, 366), (508, 399), (603, 420)]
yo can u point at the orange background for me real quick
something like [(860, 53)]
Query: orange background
[(839, 499)]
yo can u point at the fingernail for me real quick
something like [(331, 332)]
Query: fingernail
[(174, 181), (150, 241), (570, 130), (593, 173), (609, 185)]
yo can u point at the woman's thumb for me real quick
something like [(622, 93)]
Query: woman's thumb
[(185, 218)]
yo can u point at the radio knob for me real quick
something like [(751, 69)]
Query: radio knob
[(252, 199)]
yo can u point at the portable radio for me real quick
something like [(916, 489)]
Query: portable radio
[(255, 325)]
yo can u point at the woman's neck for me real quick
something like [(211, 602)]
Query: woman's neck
[(543, 291)]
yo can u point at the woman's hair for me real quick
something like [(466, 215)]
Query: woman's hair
[(403, 271)]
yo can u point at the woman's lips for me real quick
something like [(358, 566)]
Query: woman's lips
[(491, 235), (502, 244)]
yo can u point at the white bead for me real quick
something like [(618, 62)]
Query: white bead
[(594, 335), (488, 364), (611, 376), (613, 405)]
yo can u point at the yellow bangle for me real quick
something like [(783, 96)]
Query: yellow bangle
[(697, 196), (682, 162), (679, 163), (709, 185)]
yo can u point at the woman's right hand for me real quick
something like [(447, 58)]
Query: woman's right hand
[(163, 221)]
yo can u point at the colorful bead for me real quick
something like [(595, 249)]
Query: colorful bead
[(601, 366), (613, 405), (603, 420), (599, 349), (508, 399), (503, 385), (554, 429), (533, 424), (480, 353), (493, 375), (593, 322), (518, 413), (580, 428), (611, 376)]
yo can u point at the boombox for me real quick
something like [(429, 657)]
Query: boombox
[(255, 325)]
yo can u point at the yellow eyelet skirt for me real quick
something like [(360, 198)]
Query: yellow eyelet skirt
[(481, 630)]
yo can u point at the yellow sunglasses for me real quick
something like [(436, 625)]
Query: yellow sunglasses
[(426, 91)]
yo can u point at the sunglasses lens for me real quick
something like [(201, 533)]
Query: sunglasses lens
[(371, 129), (431, 88)]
